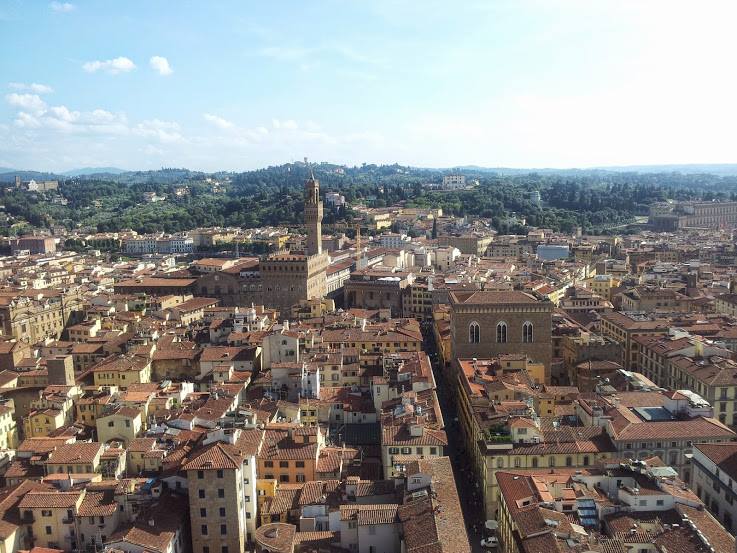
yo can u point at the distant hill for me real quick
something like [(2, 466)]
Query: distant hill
[(9, 176), (84, 171), (721, 169)]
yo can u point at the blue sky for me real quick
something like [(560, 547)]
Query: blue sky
[(240, 85)]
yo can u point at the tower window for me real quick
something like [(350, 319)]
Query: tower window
[(527, 333), (501, 333), (474, 333)]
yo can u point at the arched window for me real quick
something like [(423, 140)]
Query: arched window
[(501, 333), (474, 333), (534, 462), (527, 336)]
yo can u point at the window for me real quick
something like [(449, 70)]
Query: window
[(200, 474), (203, 529), (660, 502), (284, 478), (48, 530), (201, 494), (300, 464), (224, 549), (268, 463), (534, 462), (45, 513), (569, 461), (221, 492), (474, 333), (300, 478), (203, 512), (220, 473), (222, 511), (501, 333), (527, 336), (223, 529), (283, 464)]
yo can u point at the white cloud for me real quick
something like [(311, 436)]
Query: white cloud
[(160, 64), (218, 121), (34, 113), (33, 87), (26, 121), (114, 66), (288, 124), (62, 7), (26, 101), (164, 131)]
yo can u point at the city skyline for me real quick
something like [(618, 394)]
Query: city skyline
[(234, 87)]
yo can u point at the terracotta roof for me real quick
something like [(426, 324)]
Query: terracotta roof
[(50, 500), (435, 522), (98, 503), (492, 297), (370, 514), (78, 453), (217, 455)]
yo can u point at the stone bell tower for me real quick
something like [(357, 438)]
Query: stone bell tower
[(313, 216)]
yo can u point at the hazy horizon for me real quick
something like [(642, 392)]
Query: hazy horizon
[(229, 86)]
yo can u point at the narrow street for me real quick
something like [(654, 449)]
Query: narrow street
[(465, 479)]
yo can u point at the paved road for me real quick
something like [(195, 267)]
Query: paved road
[(471, 502)]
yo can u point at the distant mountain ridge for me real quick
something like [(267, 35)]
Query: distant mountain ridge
[(84, 171), (169, 175)]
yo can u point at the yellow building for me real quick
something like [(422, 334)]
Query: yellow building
[(52, 517), (76, 458), (266, 491), (136, 452), (89, 408), (602, 285), (8, 427), (308, 411), (124, 424), (43, 422), (122, 371)]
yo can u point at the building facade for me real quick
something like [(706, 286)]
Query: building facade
[(288, 278), (487, 324)]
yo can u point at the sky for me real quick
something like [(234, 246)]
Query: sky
[(236, 85)]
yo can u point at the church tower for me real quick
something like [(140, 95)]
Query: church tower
[(313, 216)]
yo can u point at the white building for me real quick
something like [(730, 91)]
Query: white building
[(333, 199), (454, 181), (394, 241)]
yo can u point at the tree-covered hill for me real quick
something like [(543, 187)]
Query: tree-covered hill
[(595, 200)]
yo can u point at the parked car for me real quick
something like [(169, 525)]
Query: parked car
[(491, 542)]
